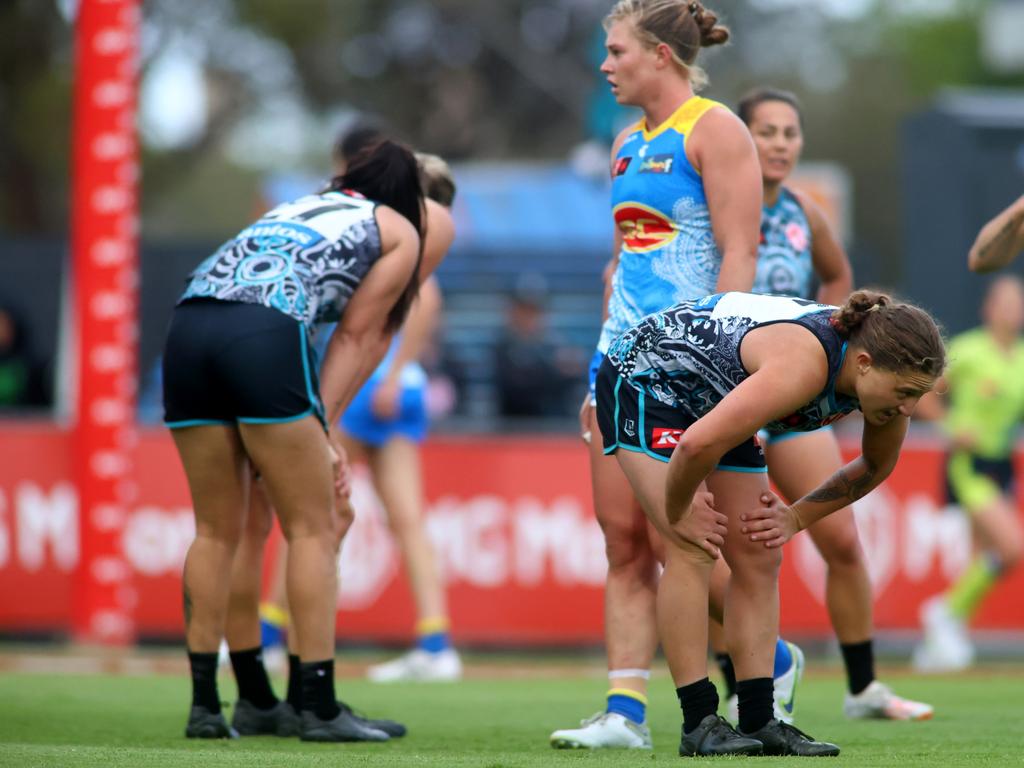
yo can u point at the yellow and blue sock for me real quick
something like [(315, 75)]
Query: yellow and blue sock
[(630, 704), (432, 635), (273, 624), (783, 658)]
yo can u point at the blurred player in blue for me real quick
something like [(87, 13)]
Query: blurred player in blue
[(384, 427)]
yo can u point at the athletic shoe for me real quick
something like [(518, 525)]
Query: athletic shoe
[(204, 724), (946, 646), (249, 720), (283, 720), (877, 701), (786, 685), (275, 659), (605, 730), (393, 729), (420, 666), (714, 736), (223, 655), (732, 709), (781, 738), (344, 727)]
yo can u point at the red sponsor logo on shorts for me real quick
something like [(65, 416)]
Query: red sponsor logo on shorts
[(666, 438)]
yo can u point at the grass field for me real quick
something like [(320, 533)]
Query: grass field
[(499, 718)]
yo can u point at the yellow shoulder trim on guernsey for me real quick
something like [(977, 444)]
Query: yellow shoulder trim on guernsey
[(683, 119), (692, 111), (628, 693)]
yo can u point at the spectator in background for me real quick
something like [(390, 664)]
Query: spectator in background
[(1000, 241), (20, 376), (533, 367)]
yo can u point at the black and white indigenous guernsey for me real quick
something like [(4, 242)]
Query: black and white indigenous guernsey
[(304, 258), (687, 357)]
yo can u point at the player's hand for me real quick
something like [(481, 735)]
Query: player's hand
[(773, 523), (386, 400), (586, 410), (340, 466), (703, 525)]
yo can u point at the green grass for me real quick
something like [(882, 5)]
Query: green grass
[(114, 721)]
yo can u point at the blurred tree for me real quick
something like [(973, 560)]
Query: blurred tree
[(35, 110)]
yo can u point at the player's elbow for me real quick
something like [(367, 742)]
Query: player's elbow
[(697, 449)]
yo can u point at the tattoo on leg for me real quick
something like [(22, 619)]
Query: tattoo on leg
[(842, 486), (187, 600)]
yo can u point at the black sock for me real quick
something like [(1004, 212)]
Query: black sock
[(204, 681), (728, 673), (295, 682), (860, 665), (698, 700), (757, 700), (318, 689), (251, 676)]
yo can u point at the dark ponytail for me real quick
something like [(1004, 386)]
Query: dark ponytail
[(900, 337), (387, 173)]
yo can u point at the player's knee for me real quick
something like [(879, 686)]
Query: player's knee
[(628, 551), (258, 525), (226, 531), (843, 552), (756, 563)]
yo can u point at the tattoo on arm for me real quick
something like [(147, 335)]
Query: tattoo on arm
[(842, 486), (187, 600)]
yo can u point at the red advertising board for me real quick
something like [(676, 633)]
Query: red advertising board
[(513, 525)]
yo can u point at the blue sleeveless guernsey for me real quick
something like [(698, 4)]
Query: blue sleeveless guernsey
[(668, 250), (784, 266)]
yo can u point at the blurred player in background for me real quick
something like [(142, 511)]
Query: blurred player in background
[(384, 426), (711, 373), (686, 194), (985, 405), (798, 249), (1000, 241), (241, 391)]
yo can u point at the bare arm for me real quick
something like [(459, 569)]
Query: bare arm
[(880, 448), (723, 153), (999, 241), (613, 263), (438, 239), (789, 369), (360, 340), (418, 327), (830, 262)]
